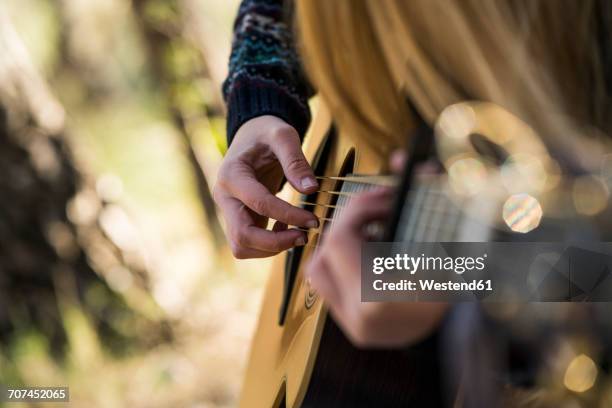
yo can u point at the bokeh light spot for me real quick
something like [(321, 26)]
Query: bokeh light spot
[(522, 213), (581, 374), (590, 195), (467, 176)]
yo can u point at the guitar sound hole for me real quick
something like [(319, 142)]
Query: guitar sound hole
[(294, 255), (347, 168)]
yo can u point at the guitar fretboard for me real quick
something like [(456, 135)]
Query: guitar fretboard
[(429, 214)]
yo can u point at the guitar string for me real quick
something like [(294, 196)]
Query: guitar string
[(440, 210), (390, 181), (360, 183), (336, 206), (318, 204), (341, 202), (339, 193), (431, 208), (323, 230)]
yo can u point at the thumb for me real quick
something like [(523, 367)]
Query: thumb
[(298, 172)]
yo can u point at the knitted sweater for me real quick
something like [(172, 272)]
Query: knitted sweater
[(265, 76)]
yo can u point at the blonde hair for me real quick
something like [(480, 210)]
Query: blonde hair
[(538, 59)]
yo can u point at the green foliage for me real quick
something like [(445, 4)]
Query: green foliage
[(121, 128), (162, 13)]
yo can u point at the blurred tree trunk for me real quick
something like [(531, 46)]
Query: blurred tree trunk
[(179, 69), (200, 30), (52, 245)]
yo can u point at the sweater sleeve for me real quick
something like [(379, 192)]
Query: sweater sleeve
[(265, 76)]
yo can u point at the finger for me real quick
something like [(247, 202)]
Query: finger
[(271, 241), (244, 234), (298, 172), (398, 160), (366, 207), (257, 197), (345, 266), (235, 215), (321, 279), (248, 253), (279, 226)]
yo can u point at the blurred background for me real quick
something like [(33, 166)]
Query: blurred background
[(115, 278)]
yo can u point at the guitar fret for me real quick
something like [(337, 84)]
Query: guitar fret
[(412, 215), (429, 214), (447, 229), (451, 220), (438, 217), (348, 189), (424, 219), (455, 226)]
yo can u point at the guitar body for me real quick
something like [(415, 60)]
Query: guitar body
[(299, 357)]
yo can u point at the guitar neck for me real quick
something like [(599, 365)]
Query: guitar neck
[(427, 213)]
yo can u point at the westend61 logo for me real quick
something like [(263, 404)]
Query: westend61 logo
[(412, 264)]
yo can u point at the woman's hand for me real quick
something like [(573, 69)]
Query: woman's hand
[(264, 150), (335, 272)]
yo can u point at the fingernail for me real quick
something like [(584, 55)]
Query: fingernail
[(312, 224), (301, 241), (308, 182)]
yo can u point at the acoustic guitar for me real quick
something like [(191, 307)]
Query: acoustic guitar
[(488, 161), (299, 357)]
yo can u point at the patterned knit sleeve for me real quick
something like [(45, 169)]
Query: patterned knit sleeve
[(265, 76)]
